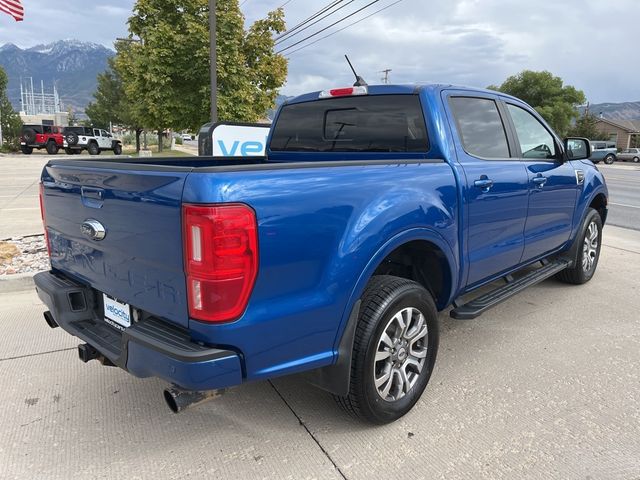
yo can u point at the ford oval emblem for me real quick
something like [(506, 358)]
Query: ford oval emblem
[(93, 229)]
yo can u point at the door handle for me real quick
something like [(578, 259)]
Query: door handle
[(540, 181), (484, 183)]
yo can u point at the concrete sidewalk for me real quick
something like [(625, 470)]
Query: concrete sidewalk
[(545, 385), (19, 204)]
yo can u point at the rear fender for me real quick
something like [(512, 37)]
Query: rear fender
[(335, 378)]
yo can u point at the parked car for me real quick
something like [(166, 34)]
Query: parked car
[(603, 151), (186, 137), (630, 155), (39, 137), (93, 140), (374, 208)]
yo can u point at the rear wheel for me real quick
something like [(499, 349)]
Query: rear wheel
[(52, 148), (609, 159), (68, 151), (636, 159), (93, 149), (590, 244), (394, 350), (26, 150)]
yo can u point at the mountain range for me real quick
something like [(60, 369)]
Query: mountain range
[(69, 64), (616, 111), (73, 66)]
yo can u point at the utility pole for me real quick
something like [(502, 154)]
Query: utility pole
[(386, 72), (214, 60)]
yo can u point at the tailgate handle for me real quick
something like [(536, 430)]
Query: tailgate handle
[(92, 197)]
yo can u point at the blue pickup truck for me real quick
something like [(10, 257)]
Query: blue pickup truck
[(374, 208)]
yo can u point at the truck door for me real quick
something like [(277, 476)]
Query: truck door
[(552, 184), (495, 184), (105, 141)]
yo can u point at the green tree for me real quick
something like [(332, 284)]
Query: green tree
[(112, 105), (166, 74), (10, 122), (556, 102), (586, 126)]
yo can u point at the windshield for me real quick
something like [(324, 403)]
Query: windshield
[(377, 123)]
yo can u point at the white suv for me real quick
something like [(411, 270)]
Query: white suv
[(94, 140)]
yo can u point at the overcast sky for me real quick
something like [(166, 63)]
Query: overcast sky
[(591, 44)]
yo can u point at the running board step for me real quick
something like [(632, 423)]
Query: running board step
[(478, 306)]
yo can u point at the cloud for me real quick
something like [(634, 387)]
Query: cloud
[(114, 11), (591, 44)]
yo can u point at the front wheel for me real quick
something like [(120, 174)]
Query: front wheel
[(609, 159), (394, 350), (636, 159), (589, 253), (117, 149)]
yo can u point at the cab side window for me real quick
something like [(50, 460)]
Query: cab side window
[(535, 140), (480, 126)]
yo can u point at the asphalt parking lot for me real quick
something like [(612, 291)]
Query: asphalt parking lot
[(546, 385)]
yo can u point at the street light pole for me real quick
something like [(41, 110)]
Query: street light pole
[(214, 70)]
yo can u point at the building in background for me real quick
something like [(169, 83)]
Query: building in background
[(41, 107), (626, 133)]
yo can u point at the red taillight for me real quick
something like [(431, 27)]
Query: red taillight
[(344, 92), (44, 222), (221, 259)]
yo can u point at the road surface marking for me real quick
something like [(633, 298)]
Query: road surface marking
[(624, 205)]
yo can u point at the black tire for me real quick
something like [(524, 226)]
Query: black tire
[(117, 149), (609, 159), (384, 298), (71, 138), (26, 150), (636, 159), (584, 270), (52, 148), (29, 135), (68, 151), (93, 149)]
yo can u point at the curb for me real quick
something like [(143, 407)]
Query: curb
[(16, 283)]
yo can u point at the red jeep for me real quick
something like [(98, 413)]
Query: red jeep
[(41, 136)]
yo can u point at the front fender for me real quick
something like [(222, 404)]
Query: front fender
[(594, 185)]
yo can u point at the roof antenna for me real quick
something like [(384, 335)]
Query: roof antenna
[(359, 80)]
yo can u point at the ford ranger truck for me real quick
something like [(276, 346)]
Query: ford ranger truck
[(374, 208)]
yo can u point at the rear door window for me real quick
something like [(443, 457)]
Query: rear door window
[(376, 123), (480, 126)]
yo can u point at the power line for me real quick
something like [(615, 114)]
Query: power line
[(285, 3), (327, 27), (307, 20), (344, 28), (293, 34)]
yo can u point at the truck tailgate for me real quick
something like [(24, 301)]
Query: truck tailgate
[(139, 261)]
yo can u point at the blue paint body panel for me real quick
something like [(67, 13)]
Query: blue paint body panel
[(322, 231)]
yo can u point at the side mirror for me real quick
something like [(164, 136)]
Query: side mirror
[(577, 148)]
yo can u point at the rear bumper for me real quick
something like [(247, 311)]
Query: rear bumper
[(150, 348)]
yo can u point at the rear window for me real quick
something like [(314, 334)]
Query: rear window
[(377, 123), (480, 126)]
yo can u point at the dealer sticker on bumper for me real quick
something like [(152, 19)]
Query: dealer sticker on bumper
[(118, 312)]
